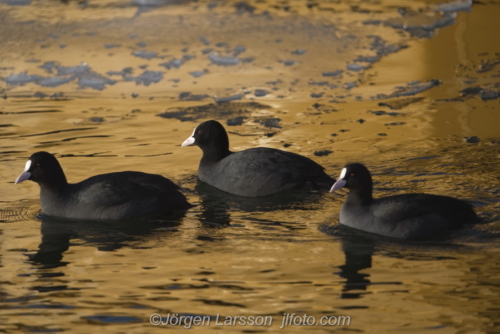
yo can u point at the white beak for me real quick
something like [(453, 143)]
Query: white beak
[(340, 182), (337, 185), (188, 142), (25, 174), (23, 177)]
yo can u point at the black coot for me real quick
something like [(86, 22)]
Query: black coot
[(408, 216), (254, 172), (121, 195)]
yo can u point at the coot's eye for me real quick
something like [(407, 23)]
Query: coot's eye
[(352, 174), (199, 132), (38, 165)]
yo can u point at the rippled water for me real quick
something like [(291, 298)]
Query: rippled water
[(118, 85)]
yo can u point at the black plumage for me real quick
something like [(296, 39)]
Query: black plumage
[(406, 216), (120, 195), (253, 172)]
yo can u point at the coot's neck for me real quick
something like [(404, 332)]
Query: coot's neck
[(216, 150), (211, 155), (53, 181), (361, 196)]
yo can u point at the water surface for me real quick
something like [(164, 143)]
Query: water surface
[(112, 85)]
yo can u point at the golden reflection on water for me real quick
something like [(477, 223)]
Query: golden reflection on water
[(231, 256)]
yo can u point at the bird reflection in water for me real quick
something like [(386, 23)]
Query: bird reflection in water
[(57, 235)]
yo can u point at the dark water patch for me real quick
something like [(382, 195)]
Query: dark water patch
[(233, 287), (38, 329), (21, 79), (53, 288), (149, 77), (216, 59), (453, 99), (90, 155), (287, 282), (198, 74), (421, 23), (145, 54), (291, 226), (23, 299), (148, 155), (247, 59), (353, 307), (54, 81), (332, 73), (319, 83), (64, 74), (188, 96), (177, 286), (384, 48), (382, 112), (322, 153), (71, 70), (350, 85), (454, 6), (111, 319), (288, 62), (411, 88), (487, 65), (269, 122), (124, 72), (182, 115), (485, 93), (239, 120), (400, 104), (367, 59), (324, 108), (218, 302), (57, 131), (28, 112), (239, 49), (174, 63), (11, 152), (260, 92), (205, 273), (44, 306), (49, 66), (472, 140), (227, 99), (204, 40), (425, 158), (74, 138), (94, 80), (395, 123), (355, 67), (215, 111)]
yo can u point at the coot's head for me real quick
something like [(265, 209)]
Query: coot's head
[(42, 168), (209, 135), (354, 177)]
